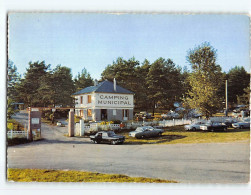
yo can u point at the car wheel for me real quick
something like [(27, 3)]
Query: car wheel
[(225, 128), (194, 129), (142, 136), (113, 142), (241, 127)]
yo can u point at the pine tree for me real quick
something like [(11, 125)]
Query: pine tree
[(29, 86), (83, 80), (164, 83)]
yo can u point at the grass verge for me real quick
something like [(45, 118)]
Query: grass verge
[(177, 134), (45, 175)]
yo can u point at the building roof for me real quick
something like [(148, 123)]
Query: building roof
[(105, 87)]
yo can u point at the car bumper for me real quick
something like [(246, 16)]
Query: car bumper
[(204, 128), (187, 128)]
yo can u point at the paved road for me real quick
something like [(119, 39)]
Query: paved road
[(190, 163)]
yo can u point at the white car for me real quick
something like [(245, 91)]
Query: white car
[(170, 114), (145, 131), (194, 126), (242, 124)]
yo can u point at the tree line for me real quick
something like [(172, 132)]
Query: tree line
[(156, 85), (42, 87)]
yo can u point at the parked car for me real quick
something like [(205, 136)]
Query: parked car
[(145, 131), (170, 114), (242, 124), (194, 126), (107, 137), (214, 126), (230, 121), (239, 108), (141, 115), (193, 113)]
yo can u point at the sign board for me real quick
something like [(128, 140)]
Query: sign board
[(34, 121), (114, 100)]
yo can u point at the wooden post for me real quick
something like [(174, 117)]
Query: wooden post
[(226, 100), (71, 123), (81, 127), (30, 127)]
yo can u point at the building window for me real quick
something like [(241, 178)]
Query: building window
[(114, 113), (125, 113), (89, 99), (81, 99), (81, 113), (89, 112)]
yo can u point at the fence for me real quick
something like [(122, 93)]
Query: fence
[(22, 134), (17, 134), (81, 128), (133, 125), (174, 122), (222, 119)]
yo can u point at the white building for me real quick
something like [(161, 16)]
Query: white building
[(105, 101)]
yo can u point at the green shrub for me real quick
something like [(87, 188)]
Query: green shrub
[(10, 126), (14, 125), (116, 121), (17, 141)]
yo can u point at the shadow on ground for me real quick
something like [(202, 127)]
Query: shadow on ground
[(46, 141), (154, 140)]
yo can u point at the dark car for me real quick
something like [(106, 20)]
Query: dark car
[(107, 137), (230, 121), (214, 126), (145, 131)]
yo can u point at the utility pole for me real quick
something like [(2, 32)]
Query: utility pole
[(226, 100)]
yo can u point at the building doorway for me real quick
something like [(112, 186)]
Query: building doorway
[(103, 114), (125, 113)]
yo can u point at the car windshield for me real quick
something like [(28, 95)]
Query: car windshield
[(199, 123), (111, 133), (148, 128), (139, 129)]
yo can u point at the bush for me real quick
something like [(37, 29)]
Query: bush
[(14, 125), (106, 123), (116, 122), (10, 126), (17, 141), (46, 114), (61, 114)]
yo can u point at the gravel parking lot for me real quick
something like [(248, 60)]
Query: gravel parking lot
[(189, 163)]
